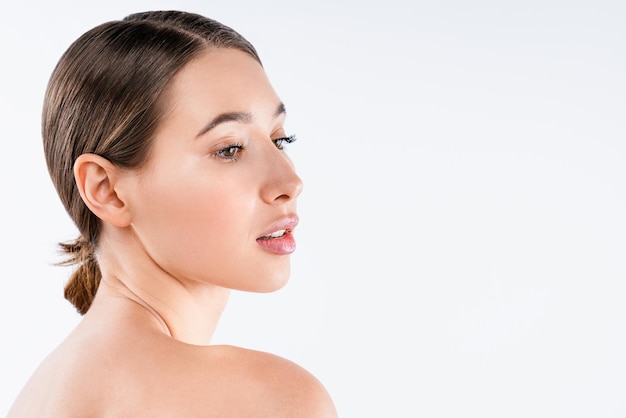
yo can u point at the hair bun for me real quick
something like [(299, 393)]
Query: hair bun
[(82, 286)]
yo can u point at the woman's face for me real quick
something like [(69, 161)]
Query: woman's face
[(216, 200)]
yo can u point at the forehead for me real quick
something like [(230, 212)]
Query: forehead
[(220, 80)]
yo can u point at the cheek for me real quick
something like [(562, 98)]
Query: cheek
[(203, 228), (188, 220)]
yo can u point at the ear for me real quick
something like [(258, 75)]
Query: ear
[(97, 178)]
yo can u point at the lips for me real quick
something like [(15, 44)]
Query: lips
[(278, 237)]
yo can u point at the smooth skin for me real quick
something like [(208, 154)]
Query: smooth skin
[(178, 234)]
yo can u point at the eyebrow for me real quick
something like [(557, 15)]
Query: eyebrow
[(241, 117)]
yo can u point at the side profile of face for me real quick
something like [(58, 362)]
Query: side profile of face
[(216, 200)]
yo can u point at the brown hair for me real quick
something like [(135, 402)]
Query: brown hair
[(106, 96)]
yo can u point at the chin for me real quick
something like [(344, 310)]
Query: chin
[(277, 285), (273, 285), (269, 282)]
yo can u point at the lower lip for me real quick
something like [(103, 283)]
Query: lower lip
[(281, 246)]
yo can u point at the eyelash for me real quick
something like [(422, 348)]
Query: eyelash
[(287, 139), (235, 148)]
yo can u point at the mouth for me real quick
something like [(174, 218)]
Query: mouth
[(280, 228), (278, 238), (277, 234)]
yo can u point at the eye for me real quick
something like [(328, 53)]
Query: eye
[(280, 142), (229, 153)]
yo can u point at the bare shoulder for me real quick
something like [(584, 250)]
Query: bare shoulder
[(224, 381), (255, 383), (151, 375), (154, 376)]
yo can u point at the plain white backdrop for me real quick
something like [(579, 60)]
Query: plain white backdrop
[(462, 243)]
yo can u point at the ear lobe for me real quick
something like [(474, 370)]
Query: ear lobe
[(96, 178)]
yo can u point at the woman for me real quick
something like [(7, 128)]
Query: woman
[(165, 142)]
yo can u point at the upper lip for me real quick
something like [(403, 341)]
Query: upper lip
[(288, 223)]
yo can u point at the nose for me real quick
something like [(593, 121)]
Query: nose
[(281, 182)]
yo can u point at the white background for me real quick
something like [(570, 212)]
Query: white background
[(462, 243)]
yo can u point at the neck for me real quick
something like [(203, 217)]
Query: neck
[(185, 310)]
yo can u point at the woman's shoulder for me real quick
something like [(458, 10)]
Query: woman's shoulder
[(223, 380), (164, 377), (256, 383)]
